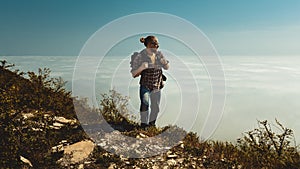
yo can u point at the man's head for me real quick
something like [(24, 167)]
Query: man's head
[(150, 42)]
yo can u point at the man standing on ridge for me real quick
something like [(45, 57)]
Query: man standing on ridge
[(149, 63)]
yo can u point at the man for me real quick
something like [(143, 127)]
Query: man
[(149, 63)]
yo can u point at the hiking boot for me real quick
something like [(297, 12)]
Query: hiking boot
[(152, 123), (144, 125)]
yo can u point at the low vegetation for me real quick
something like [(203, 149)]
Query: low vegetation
[(42, 99)]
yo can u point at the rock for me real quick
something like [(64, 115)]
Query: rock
[(172, 162), (103, 144), (64, 142), (172, 156), (143, 135), (112, 166), (155, 167), (81, 166), (26, 161), (77, 152), (58, 148), (87, 162), (123, 158), (28, 115), (181, 144), (48, 114), (56, 124), (180, 160), (36, 129), (169, 152), (54, 127), (64, 120), (167, 148)]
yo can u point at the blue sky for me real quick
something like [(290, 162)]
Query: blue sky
[(235, 27)]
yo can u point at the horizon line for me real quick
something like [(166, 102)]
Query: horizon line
[(227, 55)]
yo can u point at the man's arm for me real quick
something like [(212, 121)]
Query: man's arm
[(136, 65), (135, 73), (165, 63)]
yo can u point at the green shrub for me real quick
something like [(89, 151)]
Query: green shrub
[(33, 139), (113, 108), (265, 148)]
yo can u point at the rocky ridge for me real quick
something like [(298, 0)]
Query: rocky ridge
[(40, 129)]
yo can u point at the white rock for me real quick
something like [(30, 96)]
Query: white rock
[(112, 166), (180, 160), (25, 160), (102, 144), (123, 158), (81, 166), (182, 145), (28, 115), (172, 162), (155, 167), (87, 162), (47, 115), (167, 148), (58, 148), (36, 129), (172, 156), (56, 124), (64, 142), (143, 135), (79, 151), (64, 120), (54, 127)]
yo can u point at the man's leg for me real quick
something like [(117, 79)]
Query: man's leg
[(144, 109), (155, 101)]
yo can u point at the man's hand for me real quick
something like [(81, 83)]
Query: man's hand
[(144, 66), (165, 63)]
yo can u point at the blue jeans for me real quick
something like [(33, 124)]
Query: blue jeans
[(147, 95)]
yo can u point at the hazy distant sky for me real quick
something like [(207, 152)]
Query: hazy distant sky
[(235, 27)]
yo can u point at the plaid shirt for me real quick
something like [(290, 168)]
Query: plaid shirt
[(151, 77)]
